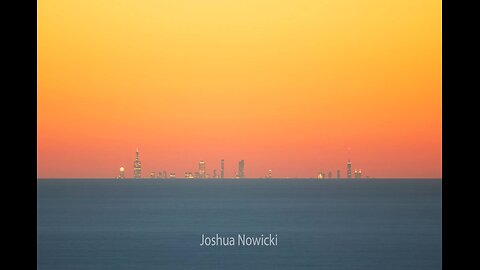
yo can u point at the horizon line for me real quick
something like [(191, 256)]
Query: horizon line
[(245, 178)]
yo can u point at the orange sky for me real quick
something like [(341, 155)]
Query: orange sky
[(293, 86)]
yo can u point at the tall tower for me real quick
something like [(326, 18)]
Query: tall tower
[(241, 169), (137, 167), (222, 170), (349, 169), (201, 169)]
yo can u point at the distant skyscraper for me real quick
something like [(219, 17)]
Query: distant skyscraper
[(338, 174), (201, 169), (188, 175), (222, 170), (349, 169), (122, 173), (137, 167), (241, 169), (269, 174), (329, 174), (214, 174)]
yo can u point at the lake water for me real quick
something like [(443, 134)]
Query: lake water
[(321, 224)]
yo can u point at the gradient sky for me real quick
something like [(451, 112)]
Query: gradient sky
[(293, 86)]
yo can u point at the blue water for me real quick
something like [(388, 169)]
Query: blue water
[(321, 224)]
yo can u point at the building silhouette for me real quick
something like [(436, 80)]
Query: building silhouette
[(137, 167), (241, 169), (222, 170), (329, 174), (349, 169), (338, 174), (122, 173), (358, 174), (201, 169)]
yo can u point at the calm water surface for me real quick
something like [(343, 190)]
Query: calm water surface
[(321, 224)]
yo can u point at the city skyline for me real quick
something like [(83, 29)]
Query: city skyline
[(292, 86), (202, 172)]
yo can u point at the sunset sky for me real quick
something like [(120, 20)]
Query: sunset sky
[(298, 87)]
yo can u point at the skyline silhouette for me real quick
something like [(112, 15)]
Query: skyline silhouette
[(203, 173)]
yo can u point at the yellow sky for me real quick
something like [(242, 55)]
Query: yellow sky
[(232, 70)]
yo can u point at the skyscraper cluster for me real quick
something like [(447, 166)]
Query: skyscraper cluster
[(240, 173), (200, 174), (357, 173)]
